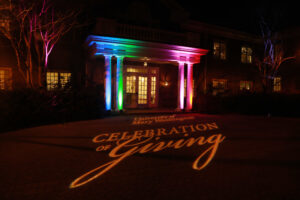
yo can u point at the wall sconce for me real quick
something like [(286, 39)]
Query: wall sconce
[(145, 59), (165, 81)]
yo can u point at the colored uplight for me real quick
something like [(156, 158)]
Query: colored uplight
[(119, 81), (140, 49), (189, 87), (108, 82), (121, 47), (181, 85)]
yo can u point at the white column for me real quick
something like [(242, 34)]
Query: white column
[(107, 82), (181, 86), (189, 87), (119, 83)]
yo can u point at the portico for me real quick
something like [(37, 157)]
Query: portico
[(141, 82)]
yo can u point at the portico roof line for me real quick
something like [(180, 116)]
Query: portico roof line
[(114, 40), (138, 49)]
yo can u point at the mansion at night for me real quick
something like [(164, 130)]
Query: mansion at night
[(137, 65)]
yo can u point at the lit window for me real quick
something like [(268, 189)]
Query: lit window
[(220, 50), (65, 78), (130, 84), (153, 71), (219, 86), (246, 55), (142, 95), (57, 80), (277, 84), (5, 79), (4, 23), (153, 89), (219, 83), (52, 80), (137, 70), (245, 85)]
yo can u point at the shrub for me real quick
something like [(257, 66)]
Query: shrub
[(28, 107), (251, 104)]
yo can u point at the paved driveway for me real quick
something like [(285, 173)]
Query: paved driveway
[(183, 156)]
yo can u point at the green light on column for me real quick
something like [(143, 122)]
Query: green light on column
[(119, 80)]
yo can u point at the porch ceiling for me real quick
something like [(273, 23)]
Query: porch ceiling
[(103, 45)]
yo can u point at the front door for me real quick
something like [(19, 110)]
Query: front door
[(141, 87)]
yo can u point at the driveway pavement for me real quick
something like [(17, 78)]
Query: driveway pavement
[(182, 156)]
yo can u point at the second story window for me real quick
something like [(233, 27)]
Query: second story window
[(277, 84), (219, 50), (219, 86), (246, 55)]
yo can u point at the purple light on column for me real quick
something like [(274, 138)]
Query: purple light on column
[(181, 84), (189, 86)]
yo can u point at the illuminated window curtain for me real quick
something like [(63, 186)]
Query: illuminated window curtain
[(219, 86), (245, 85), (137, 70), (219, 50), (58, 80), (277, 84), (4, 23), (130, 84), (153, 89), (5, 79), (52, 80), (246, 55), (65, 78), (142, 94), (2, 76), (219, 83)]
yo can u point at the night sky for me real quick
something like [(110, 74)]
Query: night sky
[(242, 15)]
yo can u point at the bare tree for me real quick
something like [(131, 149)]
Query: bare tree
[(273, 56), (34, 29), (52, 25), (18, 30)]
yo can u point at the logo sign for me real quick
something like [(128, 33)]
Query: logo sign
[(121, 145), (160, 119)]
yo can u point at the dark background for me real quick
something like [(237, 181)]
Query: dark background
[(242, 15)]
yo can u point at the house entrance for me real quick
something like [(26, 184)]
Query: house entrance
[(141, 85)]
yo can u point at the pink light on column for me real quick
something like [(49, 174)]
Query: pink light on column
[(181, 84), (189, 86)]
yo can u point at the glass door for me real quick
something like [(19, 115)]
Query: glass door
[(141, 85), (143, 91), (131, 92)]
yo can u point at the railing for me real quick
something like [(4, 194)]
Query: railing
[(149, 34), (113, 28)]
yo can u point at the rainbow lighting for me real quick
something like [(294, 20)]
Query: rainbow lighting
[(181, 84), (127, 48), (107, 82), (119, 81)]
